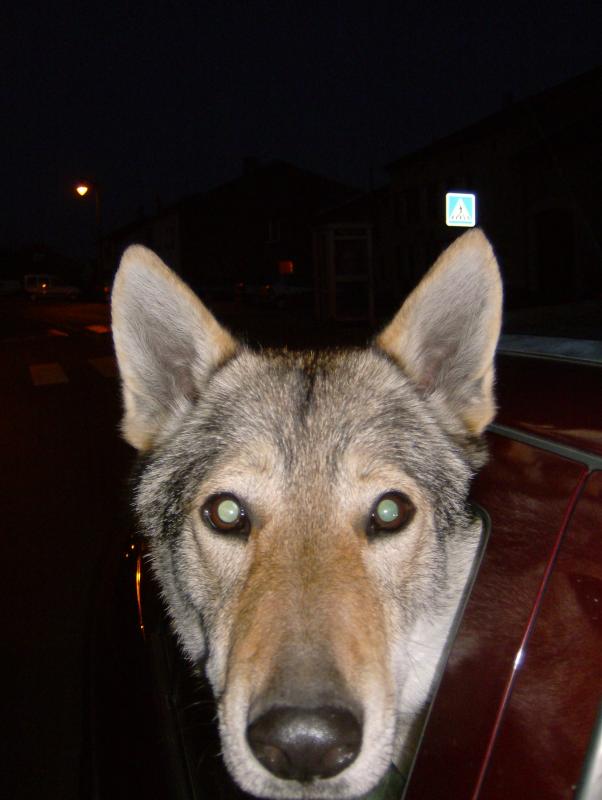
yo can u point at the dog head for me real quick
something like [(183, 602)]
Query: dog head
[(306, 512)]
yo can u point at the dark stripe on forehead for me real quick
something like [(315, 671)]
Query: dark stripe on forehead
[(310, 371)]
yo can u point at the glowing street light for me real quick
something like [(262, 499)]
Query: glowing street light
[(83, 188)]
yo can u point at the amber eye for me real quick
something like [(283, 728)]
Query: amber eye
[(390, 513), (225, 513)]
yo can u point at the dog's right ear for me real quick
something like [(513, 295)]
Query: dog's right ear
[(166, 341)]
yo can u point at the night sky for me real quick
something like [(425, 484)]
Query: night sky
[(159, 100)]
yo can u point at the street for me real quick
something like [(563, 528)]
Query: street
[(65, 513), (64, 470)]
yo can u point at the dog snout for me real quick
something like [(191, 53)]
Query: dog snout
[(304, 744)]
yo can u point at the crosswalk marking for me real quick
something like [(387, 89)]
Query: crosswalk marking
[(106, 365), (46, 374), (52, 372)]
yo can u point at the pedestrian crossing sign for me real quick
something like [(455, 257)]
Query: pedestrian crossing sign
[(460, 210)]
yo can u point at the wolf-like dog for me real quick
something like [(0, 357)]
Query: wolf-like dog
[(306, 512)]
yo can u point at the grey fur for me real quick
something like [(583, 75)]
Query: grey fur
[(307, 441)]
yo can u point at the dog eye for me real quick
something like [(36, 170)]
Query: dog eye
[(225, 513), (391, 512)]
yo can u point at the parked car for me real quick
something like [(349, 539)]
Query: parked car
[(49, 286), (516, 712)]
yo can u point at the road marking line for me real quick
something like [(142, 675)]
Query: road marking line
[(106, 365), (98, 328), (46, 374), (56, 332)]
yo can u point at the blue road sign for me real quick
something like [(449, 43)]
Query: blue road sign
[(460, 210)]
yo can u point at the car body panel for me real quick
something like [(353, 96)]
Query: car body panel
[(553, 707), (560, 400), (527, 492)]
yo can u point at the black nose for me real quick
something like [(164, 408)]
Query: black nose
[(302, 744)]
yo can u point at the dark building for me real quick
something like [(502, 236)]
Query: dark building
[(240, 231), (536, 169)]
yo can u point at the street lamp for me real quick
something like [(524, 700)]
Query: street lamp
[(83, 188)]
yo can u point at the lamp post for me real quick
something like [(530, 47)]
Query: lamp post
[(83, 189)]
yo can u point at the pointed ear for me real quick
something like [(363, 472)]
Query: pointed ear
[(166, 341), (445, 334)]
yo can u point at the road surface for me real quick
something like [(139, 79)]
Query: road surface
[(65, 510), (63, 471)]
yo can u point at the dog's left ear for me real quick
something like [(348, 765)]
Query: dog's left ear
[(445, 334), (167, 345)]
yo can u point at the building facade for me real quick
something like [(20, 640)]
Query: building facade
[(536, 170), (242, 231)]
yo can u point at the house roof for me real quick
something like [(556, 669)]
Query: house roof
[(277, 186), (274, 188), (582, 94)]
